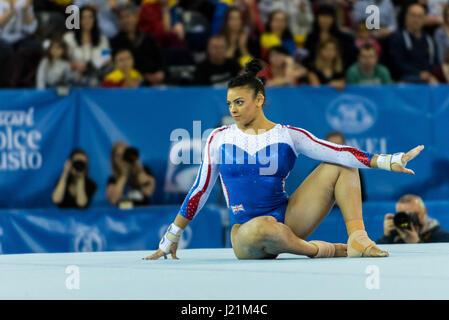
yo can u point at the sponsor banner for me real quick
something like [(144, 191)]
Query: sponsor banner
[(37, 133), (53, 230)]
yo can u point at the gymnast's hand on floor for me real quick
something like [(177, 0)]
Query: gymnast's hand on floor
[(405, 158), (159, 253)]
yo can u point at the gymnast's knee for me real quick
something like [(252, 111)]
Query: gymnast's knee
[(263, 227)]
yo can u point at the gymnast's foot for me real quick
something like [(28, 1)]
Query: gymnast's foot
[(360, 245)]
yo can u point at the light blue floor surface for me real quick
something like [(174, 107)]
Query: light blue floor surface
[(418, 271)]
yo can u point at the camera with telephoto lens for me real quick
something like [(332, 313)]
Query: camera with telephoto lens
[(403, 220), (79, 165), (131, 155)]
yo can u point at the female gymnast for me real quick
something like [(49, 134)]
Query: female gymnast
[(253, 157)]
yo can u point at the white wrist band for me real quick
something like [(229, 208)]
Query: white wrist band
[(397, 158), (172, 235), (384, 161)]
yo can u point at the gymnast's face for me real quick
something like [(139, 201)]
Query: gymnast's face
[(244, 107)]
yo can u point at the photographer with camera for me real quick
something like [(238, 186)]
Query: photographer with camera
[(411, 224), (131, 183), (74, 188)]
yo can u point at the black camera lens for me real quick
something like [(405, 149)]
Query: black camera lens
[(79, 165), (403, 220), (131, 155)]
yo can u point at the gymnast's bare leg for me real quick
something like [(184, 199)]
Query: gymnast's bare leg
[(315, 197)]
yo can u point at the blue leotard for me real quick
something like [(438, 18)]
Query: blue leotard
[(253, 168)]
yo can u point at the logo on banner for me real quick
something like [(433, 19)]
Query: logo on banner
[(351, 114), (19, 141), (88, 239), (184, 158), (181, 176), (186, 236)]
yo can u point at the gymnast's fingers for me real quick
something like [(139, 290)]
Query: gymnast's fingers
[(159, 253), (412, 153)]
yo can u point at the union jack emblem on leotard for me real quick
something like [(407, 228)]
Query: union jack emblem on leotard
[(237, 209)]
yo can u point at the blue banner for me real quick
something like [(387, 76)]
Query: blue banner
[(101, 229), (53, 230), (38, 129)]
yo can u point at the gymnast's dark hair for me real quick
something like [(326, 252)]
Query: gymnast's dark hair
[(249, 78)]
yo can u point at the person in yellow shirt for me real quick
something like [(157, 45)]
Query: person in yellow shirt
[(124, 75), (277, 33)]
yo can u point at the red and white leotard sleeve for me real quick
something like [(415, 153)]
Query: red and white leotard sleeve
[(306, 143)]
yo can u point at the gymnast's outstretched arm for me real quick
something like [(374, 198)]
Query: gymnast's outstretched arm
[(194, 201), (312, 147)]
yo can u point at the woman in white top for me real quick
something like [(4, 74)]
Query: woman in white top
[(89, 50)]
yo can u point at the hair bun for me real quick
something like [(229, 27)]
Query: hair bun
[(253, 67)]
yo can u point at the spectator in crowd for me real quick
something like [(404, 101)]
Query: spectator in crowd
[(107, 19), (343, 12), (241, 47), (325, 27), (277, 33), (124, 75), (216, 69), (89, 50), (300, 16), (18, 23), (387, 16), (441, 36), (367, 70), (130, 182), (74, 188), (248, 8), (195, 17), (430, 21), (155, 19), (282, 70), (413, 52), (147, 55), (364, 36), (441, 72), (338, 138), (327, 67), (422, 228), (54, 69)]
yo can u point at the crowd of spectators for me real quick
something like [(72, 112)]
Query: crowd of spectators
[(136, 43)]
